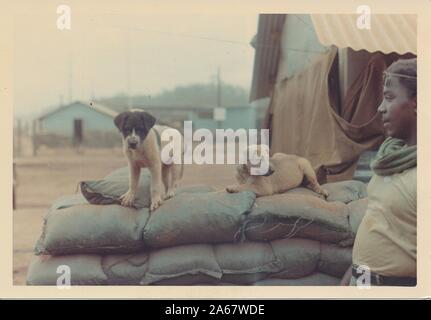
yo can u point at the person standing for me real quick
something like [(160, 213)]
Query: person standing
[(384, 252)]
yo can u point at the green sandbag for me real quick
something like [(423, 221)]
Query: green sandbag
[(187, 218), (247, 262), (109, 189), (113, 186), (315, 279), (237, 263), (89, 228), (298, 257), (346, 191), (176, 265), (83, 270), (343, 191), (298, 215), (334, 260), (72, 226)]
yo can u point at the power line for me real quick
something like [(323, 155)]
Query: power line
[(184, 35), (247, 44)]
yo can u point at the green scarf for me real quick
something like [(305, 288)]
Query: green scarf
[(394, 156)]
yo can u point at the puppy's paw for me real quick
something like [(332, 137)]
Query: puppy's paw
[(156, 202), (127, 199), (324, 193), (169, 194), (232, 189)]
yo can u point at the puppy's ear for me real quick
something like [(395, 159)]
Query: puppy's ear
[(270, 171), (120, 119), (243, 168), (148, 119)]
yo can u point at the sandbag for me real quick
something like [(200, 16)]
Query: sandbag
[(245, 263), (346, 191), (334, 260), (91, 228), (68, 201), (316, 279), (297, 215), (212, 217), (84, 270), (357, 211), (343, 191), (188, 280), (298, 257), (196, 262), (72, 225), (109, 189), (236, 263), (126, 269)]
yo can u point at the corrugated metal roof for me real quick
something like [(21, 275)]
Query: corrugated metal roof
[(267, 54), (95, 106), (388, 32)]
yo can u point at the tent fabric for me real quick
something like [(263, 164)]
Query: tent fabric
[(305, 123), (342, 30), (360, 103)]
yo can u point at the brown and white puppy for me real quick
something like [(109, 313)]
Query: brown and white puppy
[(284, 172), (142, 147)]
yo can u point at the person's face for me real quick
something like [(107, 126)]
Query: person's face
[(397, 109)]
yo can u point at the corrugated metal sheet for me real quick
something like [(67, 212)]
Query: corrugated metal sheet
[(388, 32), (267, 55)]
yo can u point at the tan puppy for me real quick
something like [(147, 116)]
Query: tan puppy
[(284, 172), (142, 147)]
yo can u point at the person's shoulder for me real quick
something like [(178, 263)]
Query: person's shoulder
[(408, 181), (410, 174)]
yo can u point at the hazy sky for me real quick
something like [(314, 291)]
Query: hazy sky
[(164, 50)]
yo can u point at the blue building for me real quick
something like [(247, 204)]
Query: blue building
[(235, 117), (204, 117), (77, 116)]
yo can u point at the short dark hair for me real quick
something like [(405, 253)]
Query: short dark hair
[(408, 69)]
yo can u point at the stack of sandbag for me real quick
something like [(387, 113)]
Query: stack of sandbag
[(199, 237)]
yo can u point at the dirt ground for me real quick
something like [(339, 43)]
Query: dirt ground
[(54, 173)]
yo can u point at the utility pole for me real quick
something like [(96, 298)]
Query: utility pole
[(218, 88), (92, 94), (70, 80), (219, 112), (128, 80)]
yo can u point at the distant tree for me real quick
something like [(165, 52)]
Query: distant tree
[(191, 95)]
